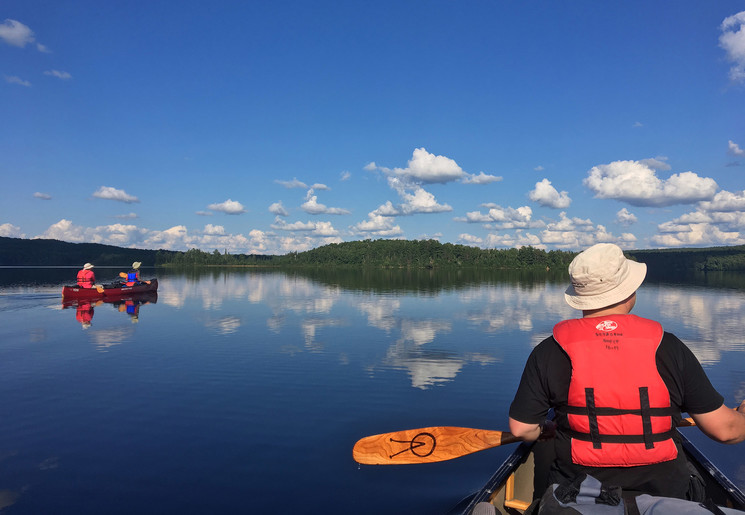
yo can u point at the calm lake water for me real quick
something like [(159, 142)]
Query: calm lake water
[(243, 391)]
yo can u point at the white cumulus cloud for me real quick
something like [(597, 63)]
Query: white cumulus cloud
[(16, 33), (42, 196), (378, 225), (546, 195), (11, 231), (415, 199), (421, 201), (115, 234), (657, 163), (725, 201), (313, 207), (470, 239), (229, 207), (214, 230), (624, 217), (316, 228), (481, 178), (109, 193), (732, 40), (278, 209), (428, 168), (702, 234), (637, 184), (504, 218), (734, 149)]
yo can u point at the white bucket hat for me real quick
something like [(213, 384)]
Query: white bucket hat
[(136, 265), (87, 266), (602, 276)]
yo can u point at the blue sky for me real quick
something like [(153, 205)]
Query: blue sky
[(269, 127)]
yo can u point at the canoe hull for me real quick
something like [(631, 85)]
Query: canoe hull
[(74, 292), (511, 487)]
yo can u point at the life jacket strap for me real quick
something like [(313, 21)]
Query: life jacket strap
[(646, 412), (593, 416), (654, 437)]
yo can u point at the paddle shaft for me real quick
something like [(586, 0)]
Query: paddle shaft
[(433, 444)]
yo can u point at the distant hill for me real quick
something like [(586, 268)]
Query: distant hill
[(702, 259), (427, 254), (23, 252)]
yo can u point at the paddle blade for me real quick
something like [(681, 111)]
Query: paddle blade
[(99, 288), (123, 275), (426, 445)]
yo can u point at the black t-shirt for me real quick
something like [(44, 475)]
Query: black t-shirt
[(545, 384)]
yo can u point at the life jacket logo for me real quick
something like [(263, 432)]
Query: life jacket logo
[(607, 326)]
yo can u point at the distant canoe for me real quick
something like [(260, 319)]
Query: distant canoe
[(75, 292)]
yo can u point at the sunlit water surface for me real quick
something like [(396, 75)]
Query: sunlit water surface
[(243, 391)]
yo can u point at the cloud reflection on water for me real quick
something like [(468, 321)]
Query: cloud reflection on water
[(433, 334)]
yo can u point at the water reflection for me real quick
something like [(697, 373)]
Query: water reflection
[(231, 365), (127, 304), (224, 325), (711, 319), (426, 316)]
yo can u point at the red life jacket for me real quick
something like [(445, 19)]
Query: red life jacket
[(86, 278), (84, 313), (619, 408)]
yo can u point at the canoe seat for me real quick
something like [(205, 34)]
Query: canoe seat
[(510, 501)]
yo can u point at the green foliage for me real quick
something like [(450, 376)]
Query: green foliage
[(384, 254), (196, 257), (424, 254), (712, 259)]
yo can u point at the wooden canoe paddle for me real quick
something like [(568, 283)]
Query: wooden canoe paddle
[(433, 444), (427, 445)]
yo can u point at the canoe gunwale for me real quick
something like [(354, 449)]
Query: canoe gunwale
[(728, 493), (708, 468), (499, 477)]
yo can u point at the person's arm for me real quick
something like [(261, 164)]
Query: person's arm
[(527, 417), (724, 424), (528, 432)]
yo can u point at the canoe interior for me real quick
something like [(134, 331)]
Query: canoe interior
[(511, 487)]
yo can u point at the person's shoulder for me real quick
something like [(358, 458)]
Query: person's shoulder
[(673, 348), (548, 346), (671, 341)]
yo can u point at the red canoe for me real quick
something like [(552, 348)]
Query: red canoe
[(75, 292)]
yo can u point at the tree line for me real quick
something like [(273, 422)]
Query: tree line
[(412, 254), (387, 254), (711, 259)]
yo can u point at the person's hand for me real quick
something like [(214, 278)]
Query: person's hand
[(741, 407), (548, 430)]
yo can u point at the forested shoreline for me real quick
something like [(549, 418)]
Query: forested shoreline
[(422, 254)]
